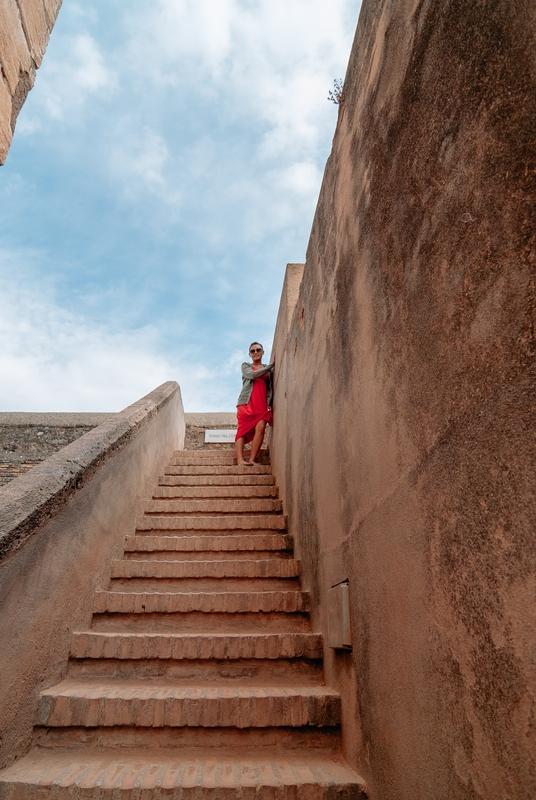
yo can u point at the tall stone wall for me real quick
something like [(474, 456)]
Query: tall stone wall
[(25, 27), (404, 440)]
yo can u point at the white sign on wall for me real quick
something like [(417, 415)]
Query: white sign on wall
[(220, 436)]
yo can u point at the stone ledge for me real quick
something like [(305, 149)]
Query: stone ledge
[(30, 501), (54, 419), (211, 419)]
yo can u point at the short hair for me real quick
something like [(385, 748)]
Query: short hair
[(260, 345)]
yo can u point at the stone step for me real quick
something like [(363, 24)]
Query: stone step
[(185, 461), (206, 456), (223, 453), (254, 469), (92, 644), (287, 602), (215, 505), (214, 524), (215, 458), (177, 775), (216, 480), (204, 544), (243, 568), (200, 622), (194, 741), (207, 555), (203, 584), (204, 492), (134, 703), (239, 672)]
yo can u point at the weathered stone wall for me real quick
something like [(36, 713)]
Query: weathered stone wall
[(25, 27), (26, 439), (404, 440), (197, 424), (61, 525)]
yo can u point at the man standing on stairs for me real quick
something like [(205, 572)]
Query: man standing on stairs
[(254, 405)]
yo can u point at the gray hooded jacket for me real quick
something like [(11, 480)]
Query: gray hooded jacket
[(248, 376)]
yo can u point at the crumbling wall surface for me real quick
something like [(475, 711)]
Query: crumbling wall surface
[(25, 27), (60, 527), (27, 438), (407, 446)]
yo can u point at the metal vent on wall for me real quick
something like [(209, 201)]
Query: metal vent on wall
[(339, 630)]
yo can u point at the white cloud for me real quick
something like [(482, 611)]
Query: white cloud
[(69, 80), (303, 178), (54, 360), (274, 59), (139, 161)]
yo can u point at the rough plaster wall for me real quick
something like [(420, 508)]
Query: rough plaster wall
[(25, 27), (48, 580), (405, 442)]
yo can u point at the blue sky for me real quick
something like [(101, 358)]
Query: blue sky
[(164, 169)]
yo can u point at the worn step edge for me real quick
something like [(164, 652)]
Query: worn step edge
[(216, 480), (109, 704), (202, 544), (240, 492), (208, 523), (245, 568), (221, 469), (214, 505), (224, 452), (178, 777), (205, 602), (130, 646)]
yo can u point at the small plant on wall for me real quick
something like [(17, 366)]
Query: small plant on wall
[(336, 95)]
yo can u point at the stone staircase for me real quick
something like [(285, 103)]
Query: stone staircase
[(199, 677)]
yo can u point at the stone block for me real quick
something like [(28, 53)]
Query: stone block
[(52, 8), (104, 704), (36, 27), (5, 117), (14, 52)]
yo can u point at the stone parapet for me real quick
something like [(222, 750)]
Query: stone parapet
[(36, 497), (61, 526)]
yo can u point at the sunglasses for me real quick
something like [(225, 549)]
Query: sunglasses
[(256, 350)]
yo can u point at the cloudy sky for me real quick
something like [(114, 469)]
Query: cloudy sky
[(164, 169)]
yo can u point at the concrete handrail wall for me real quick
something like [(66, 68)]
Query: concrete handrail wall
[(60, 527)]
